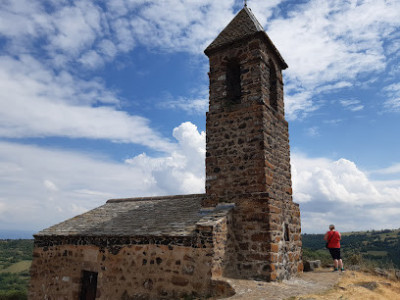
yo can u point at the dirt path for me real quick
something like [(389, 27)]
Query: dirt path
[(306, 283)]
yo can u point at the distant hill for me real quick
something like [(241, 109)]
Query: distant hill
[(16, 234), (15, 260), (381, 247)]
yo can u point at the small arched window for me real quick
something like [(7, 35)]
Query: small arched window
[(233, 82), (273, 86)]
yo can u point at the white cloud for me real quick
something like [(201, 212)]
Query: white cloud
[(185, 165), (357, 108), (191, 106), (91, 59), (196, 102), (61, 184), (394, 169), (62, 31), (347, 103), (393, 93), (352, 104), (299, 104), (332, 87), (339, 192), (76, 27), (68, 31), (313, 131), (328, 45), (108, 48), (263, 9), (333, 121), (27, 19), (331, 42), (35, 193), (167, 25), (36, 102), (50, 185)]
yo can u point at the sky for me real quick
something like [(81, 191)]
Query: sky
[(107, 99)]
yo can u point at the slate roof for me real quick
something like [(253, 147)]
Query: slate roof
[(150, 216), (244, 24)]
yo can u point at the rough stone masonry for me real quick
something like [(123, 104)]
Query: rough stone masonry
[(245, 225)]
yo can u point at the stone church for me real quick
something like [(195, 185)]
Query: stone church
[(245, 226)]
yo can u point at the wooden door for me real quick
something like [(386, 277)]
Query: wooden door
[(89, 285)]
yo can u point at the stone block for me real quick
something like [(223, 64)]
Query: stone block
[(180, 281), (311, 265), (274, 248), (260, 237)]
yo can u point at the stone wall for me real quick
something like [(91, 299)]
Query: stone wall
[(247, 151), (136, 272), (248, 163), (258, 246), (221, 247), (133, 268), (248, 142)]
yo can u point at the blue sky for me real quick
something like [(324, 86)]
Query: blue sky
[(106, 99)]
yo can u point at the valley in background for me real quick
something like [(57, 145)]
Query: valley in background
[(365, 250)]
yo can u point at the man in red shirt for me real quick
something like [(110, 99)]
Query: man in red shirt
[(333, 238)]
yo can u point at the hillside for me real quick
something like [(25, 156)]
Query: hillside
[(373, 248), (15, 260), (380, 248)]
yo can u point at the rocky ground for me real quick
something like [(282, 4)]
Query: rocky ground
[(359, 286), (320, 284), (306, 283)]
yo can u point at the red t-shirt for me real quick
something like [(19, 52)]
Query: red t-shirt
[(334, 239)]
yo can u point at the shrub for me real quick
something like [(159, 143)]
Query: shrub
[(13, 295)]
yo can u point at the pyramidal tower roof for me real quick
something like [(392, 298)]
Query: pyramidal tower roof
[(244, 24)]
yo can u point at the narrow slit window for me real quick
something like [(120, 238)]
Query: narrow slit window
[(233, 82), (287, 238), (273, 86)]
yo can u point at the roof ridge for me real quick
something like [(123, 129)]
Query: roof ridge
[(152, 198), (253, 18), (243, 24)]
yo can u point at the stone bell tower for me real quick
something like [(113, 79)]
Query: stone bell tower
[(247, 153)]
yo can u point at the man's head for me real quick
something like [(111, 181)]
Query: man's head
[(331, 227)]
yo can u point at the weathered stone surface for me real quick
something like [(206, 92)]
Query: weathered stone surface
[(248, 154), (311, 265), (121, 273), (158, 268), (152, 216), (243, 25), (381, 272)]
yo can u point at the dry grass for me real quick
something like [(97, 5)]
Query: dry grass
[(18, 267), (359, 285)]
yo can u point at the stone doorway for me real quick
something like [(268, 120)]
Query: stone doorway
[(89, 285)]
